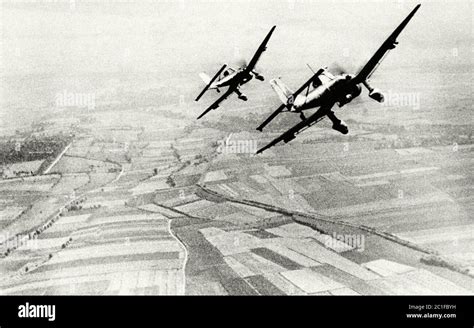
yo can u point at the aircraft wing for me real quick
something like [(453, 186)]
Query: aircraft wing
[(298, 128), (389, 44), (307, 83), (260, 50), (294, 95), (218, 101)]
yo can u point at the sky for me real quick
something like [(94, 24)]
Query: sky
[(65, 37), (130, 51)]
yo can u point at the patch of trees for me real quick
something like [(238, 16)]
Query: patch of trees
[(32, 148)]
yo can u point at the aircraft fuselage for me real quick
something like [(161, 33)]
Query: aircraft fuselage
[(232, 77), (340, 89)]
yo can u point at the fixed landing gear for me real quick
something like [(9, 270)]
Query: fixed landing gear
[(241, 95), (258, 76), (337, 124)]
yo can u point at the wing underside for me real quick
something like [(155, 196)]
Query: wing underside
[(388, 45), (218, 101), (300, 127), (260, 50)]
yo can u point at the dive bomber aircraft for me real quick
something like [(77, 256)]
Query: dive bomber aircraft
[(233, 78), (327, 90)]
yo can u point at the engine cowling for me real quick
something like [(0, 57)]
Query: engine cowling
[(351, 94), (377, 95), (341, 127)]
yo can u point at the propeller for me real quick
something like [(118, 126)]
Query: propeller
[(337, 69), (242, 63), (350, 68)]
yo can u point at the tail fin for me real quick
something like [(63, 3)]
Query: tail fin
[(286, 96), (206, 78), (283, 92), (208, 81)]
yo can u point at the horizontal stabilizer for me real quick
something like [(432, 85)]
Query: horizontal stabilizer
[(206, 78), (283, 92), (208, 81), (286, 95)]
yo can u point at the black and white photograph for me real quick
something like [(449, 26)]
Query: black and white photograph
[(236, 148)]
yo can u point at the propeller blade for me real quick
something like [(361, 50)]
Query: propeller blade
[(242, 63), (336, 68)]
